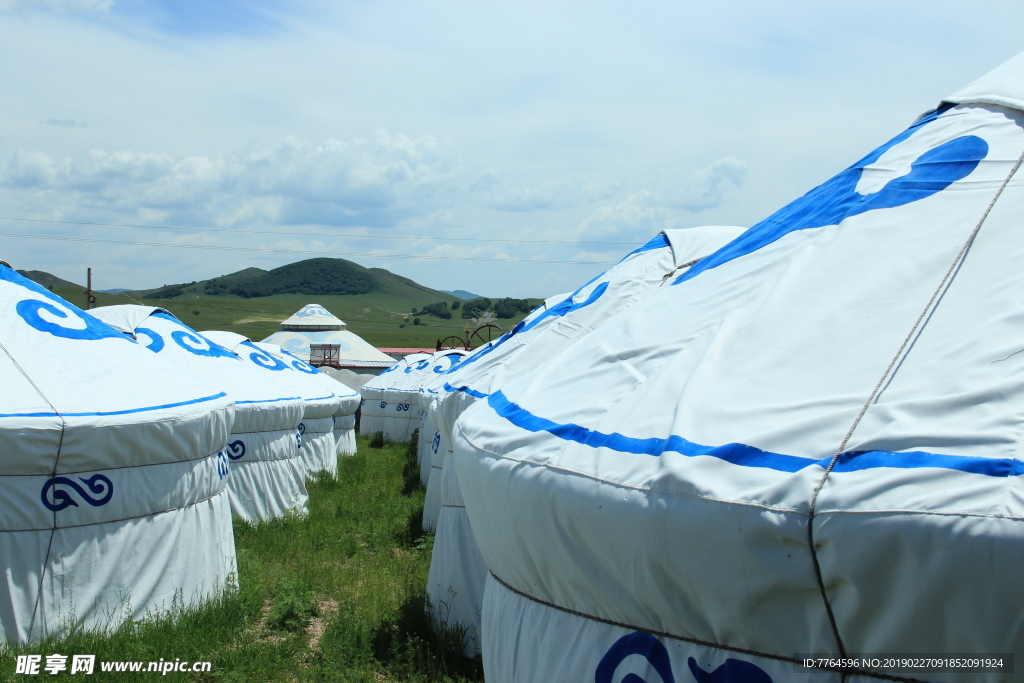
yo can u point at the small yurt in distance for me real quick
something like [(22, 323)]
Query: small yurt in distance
[(112, 482), (316, 431), (267, 473), (457, 571), (345, 417), (375, 394), (314, 324), (441, 362), (817, 452)]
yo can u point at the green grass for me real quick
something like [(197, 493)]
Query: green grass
[(337, 595), (377, 317)]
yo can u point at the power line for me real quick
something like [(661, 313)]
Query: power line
[(312, 234), (92, 240)]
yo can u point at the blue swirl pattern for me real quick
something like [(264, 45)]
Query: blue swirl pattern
[(264, 359), (29, 311), (156, 343), (236, 450), (652, 649), (838, 199), (98, 485)]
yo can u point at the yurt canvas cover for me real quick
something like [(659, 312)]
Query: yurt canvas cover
[(314, 324), (267, 473), (316, 431), (376, 407), (817, 452), (441, 362), (348, 404), (113, 473), (457, 571)]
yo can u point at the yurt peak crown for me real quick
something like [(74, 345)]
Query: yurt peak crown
[(313, 317)]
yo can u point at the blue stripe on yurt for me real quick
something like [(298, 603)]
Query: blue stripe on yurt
[(749, 456), (121, 412), (838, 199), (466, 390)]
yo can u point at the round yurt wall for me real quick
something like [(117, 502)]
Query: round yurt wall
[(113, 474), (267, 473), (817, 452)]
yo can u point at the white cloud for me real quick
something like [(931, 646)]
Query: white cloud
[(708, 187), (374, 181), (633, 216)]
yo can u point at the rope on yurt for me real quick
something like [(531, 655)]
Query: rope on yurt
[(925, 313), (677, 269), (53, 527), (703, 643)]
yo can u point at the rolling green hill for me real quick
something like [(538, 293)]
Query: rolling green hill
[(313, 277), (41, 277), (379, 309)]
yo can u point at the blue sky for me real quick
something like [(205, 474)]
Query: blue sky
[(536, 123)]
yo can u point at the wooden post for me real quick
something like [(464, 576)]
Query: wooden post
[(89, 298)]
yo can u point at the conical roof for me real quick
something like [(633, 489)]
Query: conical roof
[(313, 317), (809, 441)]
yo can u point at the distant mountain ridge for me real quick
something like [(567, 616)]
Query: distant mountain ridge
[(313, 277), (463, 294)]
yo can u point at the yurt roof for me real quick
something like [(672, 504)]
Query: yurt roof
[(828, 407), (313, 317), (1002, 86), (354, 351)]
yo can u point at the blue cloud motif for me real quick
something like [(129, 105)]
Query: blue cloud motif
[(29, 310), (296, 345), (186, 340), (636, 643), (190, 340), (451, 360), (99, 486), (264, 360), (838, 199), (419, 366), (222, 464), (309, 311), (299, 432), (301, 365), (236, 450), (732, 671), (156, 341)]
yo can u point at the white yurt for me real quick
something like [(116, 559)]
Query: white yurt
[(345, 417), (316, 431), (401, 394), (267, 473), (375, 395), (314, 324), (457, 571), (404, 391), (818, 451), (113, 473), (429, 440)]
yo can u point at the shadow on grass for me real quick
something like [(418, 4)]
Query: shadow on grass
[(411, 467), (408, 646)]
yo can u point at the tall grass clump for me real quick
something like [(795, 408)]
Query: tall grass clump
[(335, 595)]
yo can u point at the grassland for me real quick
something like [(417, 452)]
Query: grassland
[(377, 317), (337, 595)]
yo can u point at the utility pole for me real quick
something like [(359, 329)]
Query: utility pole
[(89, 298)]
